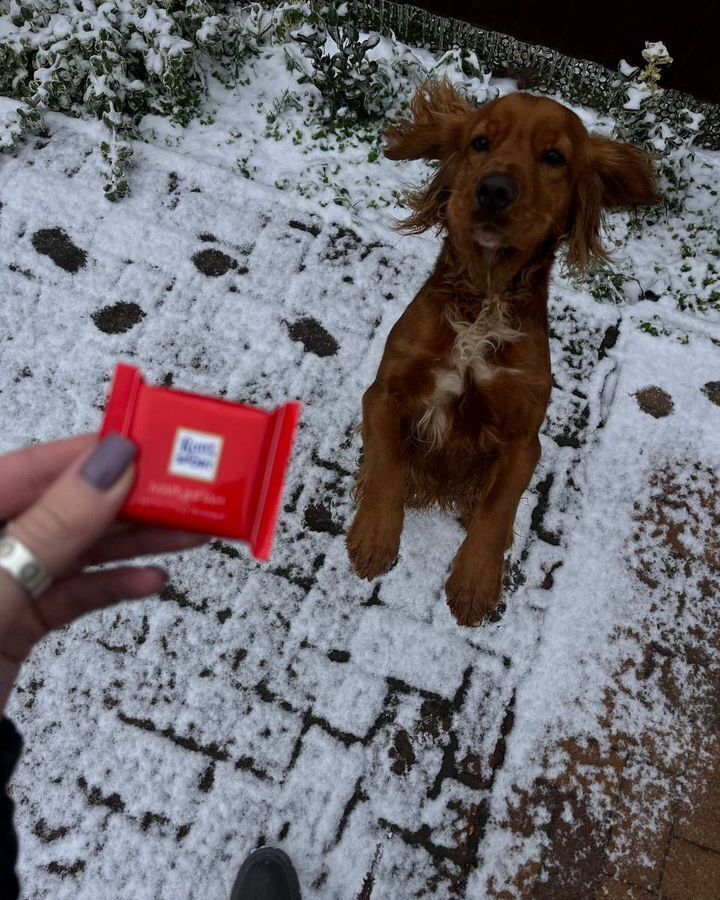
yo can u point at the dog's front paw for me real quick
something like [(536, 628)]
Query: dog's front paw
[(473, 592), (373, 543)]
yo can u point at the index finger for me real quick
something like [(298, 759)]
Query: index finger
[(26, 474)]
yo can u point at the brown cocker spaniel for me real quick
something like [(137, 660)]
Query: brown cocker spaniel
[(453, 415)]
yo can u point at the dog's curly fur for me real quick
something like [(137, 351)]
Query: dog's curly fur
[(462, 389)]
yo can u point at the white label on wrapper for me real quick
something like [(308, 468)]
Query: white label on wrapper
[(196, 454)]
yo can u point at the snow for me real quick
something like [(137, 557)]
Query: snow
[(292, 704)]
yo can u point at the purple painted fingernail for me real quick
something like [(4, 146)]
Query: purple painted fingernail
[(108, 461)]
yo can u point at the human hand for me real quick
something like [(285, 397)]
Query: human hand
[(61, 500)]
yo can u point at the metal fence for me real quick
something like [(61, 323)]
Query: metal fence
[(579, 81)]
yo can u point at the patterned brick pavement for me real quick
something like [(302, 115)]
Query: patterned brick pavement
[(354, 725)]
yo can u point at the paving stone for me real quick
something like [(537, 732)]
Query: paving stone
[(380, 645), (319, 786), (484, 718), (641, 833), (691, 873), (346, 696), (698, 813)]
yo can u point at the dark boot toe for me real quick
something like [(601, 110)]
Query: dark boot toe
[(267, 874)]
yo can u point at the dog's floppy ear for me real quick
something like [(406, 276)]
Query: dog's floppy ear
[(625, 174), (617, 175), (439, 113)]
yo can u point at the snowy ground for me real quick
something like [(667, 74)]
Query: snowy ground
[(391, 753)]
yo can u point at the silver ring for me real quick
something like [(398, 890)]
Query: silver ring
[(21, 564)]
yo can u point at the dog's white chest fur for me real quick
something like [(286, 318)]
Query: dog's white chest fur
[(476, 342)]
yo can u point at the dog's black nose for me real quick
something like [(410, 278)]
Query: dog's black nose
[(496, 192)]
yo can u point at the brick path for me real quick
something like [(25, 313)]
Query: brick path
[(354, 725), (660, 834)]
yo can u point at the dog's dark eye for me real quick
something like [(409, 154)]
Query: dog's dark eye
[(481, 144), (554, 158)]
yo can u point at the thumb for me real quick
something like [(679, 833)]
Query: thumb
[(72, 514)]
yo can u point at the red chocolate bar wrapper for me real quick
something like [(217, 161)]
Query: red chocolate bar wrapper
[(203, 464)]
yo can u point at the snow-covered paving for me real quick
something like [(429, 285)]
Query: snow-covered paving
[(390, 752)]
